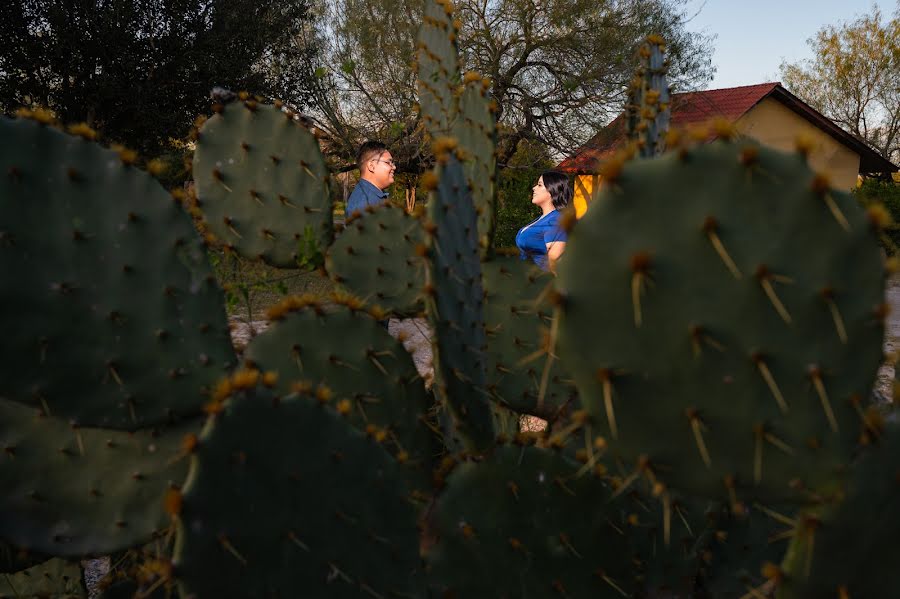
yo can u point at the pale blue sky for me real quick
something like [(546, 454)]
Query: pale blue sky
[(754, 36)]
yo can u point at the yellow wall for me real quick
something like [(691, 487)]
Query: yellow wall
[(777, 126), (584, 186)]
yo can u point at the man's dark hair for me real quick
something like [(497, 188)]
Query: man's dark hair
[(369, 150), (560, 188)]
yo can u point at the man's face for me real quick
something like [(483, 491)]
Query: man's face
[(382, 170)]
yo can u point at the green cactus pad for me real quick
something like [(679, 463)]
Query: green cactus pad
[(521, 524), (346, 348), (647, 108), (438, 68), (375, 258), (263, 184), (721, 333), (741, 545), (72, 491), (476, 130), (285, 495), (110, 312), (848, 547), (516, 327), (667, 565), (56, 578), (455, 307)]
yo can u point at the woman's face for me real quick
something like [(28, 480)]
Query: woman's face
[(539, 194)]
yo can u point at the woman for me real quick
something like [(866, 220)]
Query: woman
[(544, 240)]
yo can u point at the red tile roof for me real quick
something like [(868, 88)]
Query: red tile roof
[(691, 108)]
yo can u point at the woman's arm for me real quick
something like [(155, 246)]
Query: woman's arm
[(554, 251)]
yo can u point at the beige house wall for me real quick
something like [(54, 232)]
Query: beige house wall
[(775, 125)]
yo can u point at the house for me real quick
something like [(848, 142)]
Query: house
[(766, 112)]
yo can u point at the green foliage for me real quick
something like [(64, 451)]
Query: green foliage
[(139, 72), (886, 193)]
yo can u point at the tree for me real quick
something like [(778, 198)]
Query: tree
[(854, 79), (140, 71), (558, 68)]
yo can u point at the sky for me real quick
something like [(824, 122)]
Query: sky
[(755, 36)]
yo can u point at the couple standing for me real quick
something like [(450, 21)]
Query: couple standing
[(542, 240)]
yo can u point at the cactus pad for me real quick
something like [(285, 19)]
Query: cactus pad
[(438, 68), (848, 547), (723, 335), (347, 349), (375, 258), (476, 129), (517, 323), (455, 306), (263, 184), (521, 524), (279, 491), (73, 491), (56, 578), (111, 315)]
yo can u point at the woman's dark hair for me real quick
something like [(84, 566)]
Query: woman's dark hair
[(560, 188)]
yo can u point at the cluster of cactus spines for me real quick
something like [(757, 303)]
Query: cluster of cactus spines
[(57, 578), (454, 303), (438, 65), (741, 325), (647, 110), (741, 546), (375, 258), (371, 378), (526, 523), (476, 130), (112, 317), (517, 318), (308, 503), (262, 183), (73, 491), (846, 545)]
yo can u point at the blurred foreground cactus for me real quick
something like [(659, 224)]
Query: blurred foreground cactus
[(722, 340)]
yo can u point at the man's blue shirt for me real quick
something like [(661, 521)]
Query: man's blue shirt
[(364, 194)]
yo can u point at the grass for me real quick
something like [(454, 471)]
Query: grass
[(251, 286)]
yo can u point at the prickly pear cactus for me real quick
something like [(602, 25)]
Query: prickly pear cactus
[(110, 312), (476, 130), (847, 546), (741, 546), (517, 316), (375, 258), (343, 346), (647, 111), (455, 307), (263, 184), (522, 523), (57, 578), (723, 335), (279, 488), (71, 491), (438, 68)]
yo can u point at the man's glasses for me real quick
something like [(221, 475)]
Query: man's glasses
[(387, 162)]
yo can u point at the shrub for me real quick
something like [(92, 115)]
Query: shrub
[(888, 193)]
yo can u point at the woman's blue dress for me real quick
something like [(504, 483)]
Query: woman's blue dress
[(532, 239)]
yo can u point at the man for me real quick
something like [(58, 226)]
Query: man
[(376, 173)]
